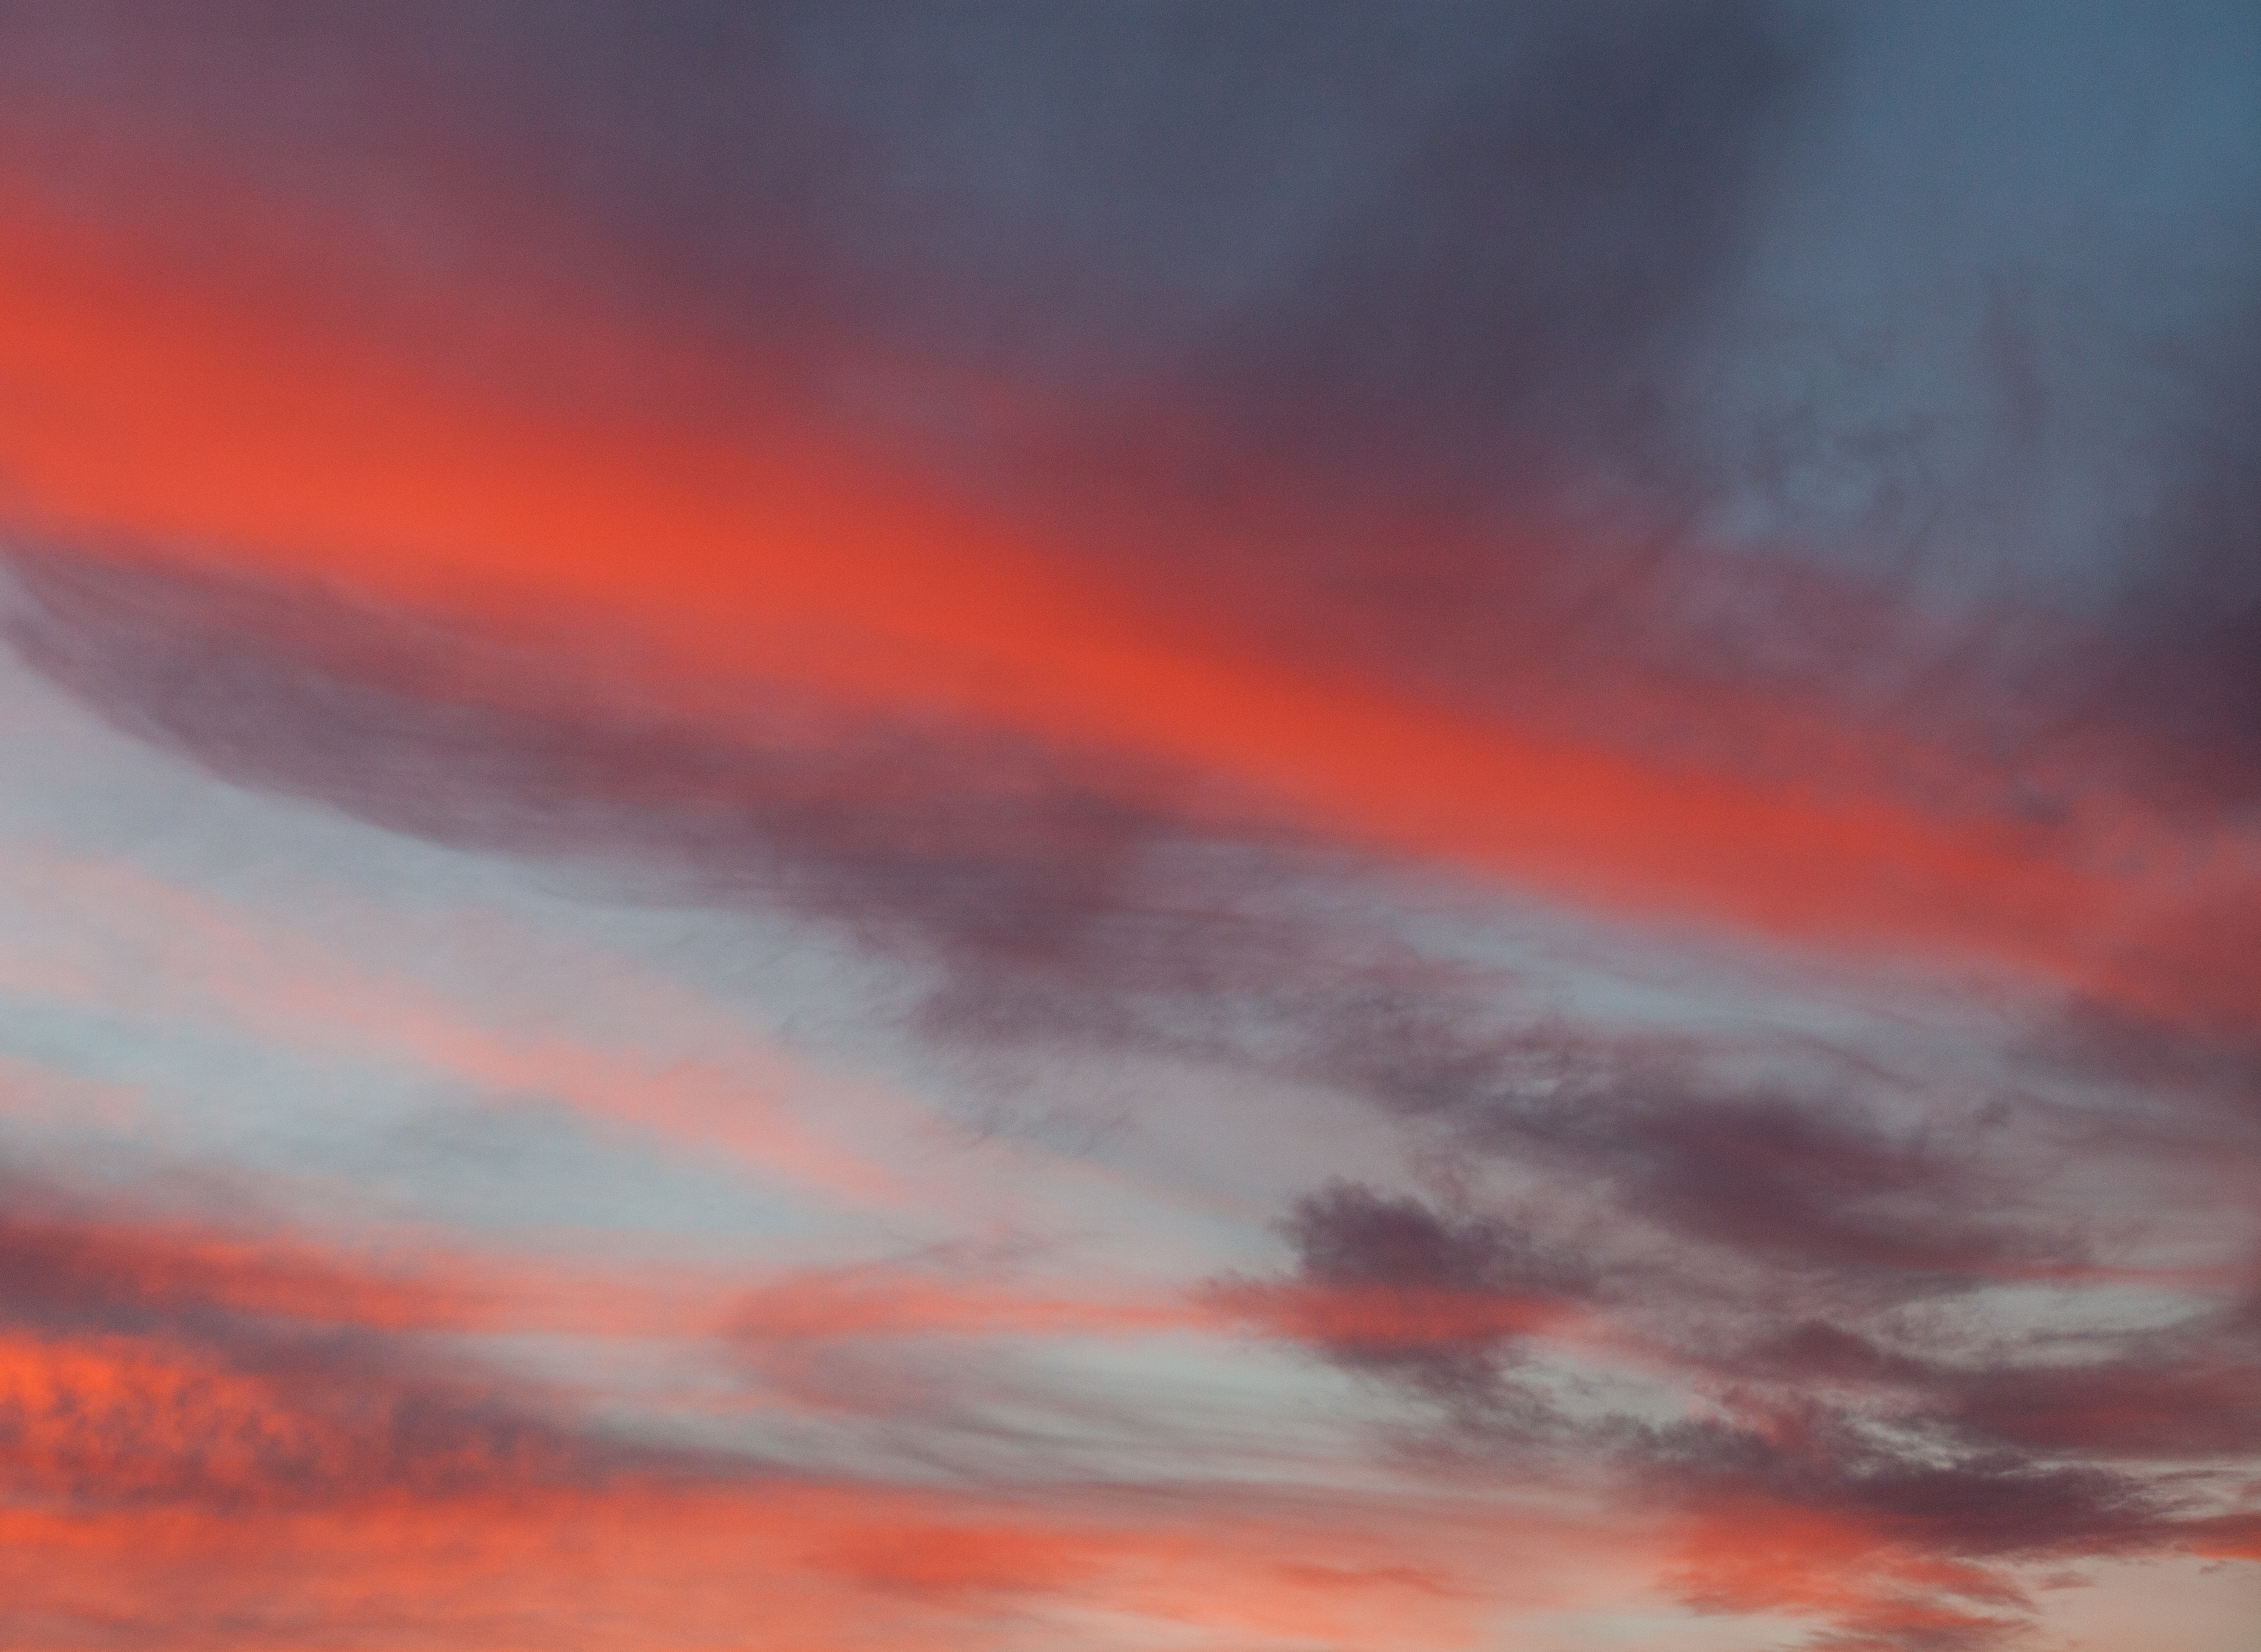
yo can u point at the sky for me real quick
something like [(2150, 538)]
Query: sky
[(1156, 827)]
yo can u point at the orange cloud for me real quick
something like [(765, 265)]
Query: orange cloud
[(288, 987), (174, 414)]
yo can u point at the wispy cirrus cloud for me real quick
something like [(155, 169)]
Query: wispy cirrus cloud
[(1506, 756)]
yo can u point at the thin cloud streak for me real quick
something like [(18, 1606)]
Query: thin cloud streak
[(1493, 775)]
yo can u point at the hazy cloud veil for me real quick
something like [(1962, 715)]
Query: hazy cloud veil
[(1226, 826)]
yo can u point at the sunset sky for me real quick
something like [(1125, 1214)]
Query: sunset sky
[(1148, 827)]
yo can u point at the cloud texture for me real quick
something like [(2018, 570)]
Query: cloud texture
[(1000, 825)]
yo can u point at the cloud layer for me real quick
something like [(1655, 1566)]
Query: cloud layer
[(992, 825)]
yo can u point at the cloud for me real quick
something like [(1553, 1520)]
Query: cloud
[(148, 1365), (1387, 1286), (233, 1440), (1770, 1310), (1266, 548)]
